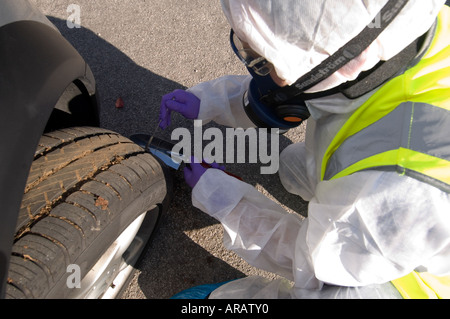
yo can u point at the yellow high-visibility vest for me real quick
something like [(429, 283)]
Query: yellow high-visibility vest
[(404, 127)]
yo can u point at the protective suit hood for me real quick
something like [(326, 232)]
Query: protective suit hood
[(296, 36)]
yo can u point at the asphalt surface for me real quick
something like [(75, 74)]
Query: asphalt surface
[(140, 50)]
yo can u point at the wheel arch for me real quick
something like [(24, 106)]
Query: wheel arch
[(38, 65)]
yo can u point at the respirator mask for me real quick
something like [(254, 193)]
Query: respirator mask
[(271, 106)]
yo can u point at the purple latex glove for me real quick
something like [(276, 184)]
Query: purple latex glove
[(194, 171), (183, 102)]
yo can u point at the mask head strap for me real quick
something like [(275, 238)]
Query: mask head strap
[(344, 55)]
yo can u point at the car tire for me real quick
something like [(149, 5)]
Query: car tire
[(91, 202)]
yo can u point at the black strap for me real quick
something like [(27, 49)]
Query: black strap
[(344, 55), (375, 77), (386, 70)]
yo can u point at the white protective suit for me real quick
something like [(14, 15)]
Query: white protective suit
[(342, 250)]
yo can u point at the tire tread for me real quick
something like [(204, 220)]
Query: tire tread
[(80, 181)]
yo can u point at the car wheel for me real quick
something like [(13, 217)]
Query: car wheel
[(91, 202)]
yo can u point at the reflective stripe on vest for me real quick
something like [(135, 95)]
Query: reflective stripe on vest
[(404, 127), (406, 144)]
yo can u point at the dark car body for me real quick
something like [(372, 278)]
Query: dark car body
[(41, 78)]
